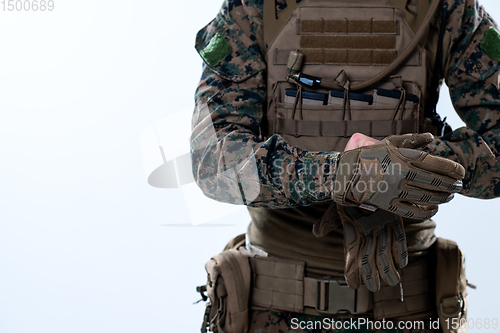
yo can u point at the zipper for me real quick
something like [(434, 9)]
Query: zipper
[(238, 277)]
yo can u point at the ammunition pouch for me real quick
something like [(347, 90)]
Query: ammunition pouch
[(228, 291), (451, 283)]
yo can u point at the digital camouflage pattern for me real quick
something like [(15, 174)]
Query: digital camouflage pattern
[(265, 321), (233, 163), (230, 101), (226, 142)]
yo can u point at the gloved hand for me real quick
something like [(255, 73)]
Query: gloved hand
[(397, 178), (374, 245)]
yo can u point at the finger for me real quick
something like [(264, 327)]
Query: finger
[(411, 140), (352, 244), (434, 164), (433, 182), (440, 166), (394, 247), (385, 260), (411, 210), (417, 195), (400, 249), (359, 140), (368, 262)]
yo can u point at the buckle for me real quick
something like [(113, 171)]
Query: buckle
[(460, 306), (338, 297)]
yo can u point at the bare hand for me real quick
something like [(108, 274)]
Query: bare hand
[(359, 140)]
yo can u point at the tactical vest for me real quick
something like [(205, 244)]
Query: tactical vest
[(360, 38)]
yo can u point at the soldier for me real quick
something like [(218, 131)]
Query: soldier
[(314, 113)]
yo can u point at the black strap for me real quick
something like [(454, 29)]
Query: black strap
[(430, 107)]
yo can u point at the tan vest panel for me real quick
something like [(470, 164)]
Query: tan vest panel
[(360, 38)]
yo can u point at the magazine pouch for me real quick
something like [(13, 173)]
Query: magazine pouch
[(228, 291)]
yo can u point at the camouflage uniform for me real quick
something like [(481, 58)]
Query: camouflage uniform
[(283, 322), (231, 99)]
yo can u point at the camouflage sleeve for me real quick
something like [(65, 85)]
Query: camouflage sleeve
[(230, 162), (472, 74)]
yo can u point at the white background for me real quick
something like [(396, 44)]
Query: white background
[(83, 241)]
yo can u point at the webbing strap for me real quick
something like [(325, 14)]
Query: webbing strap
[(349, 26), (278, 283), (344, 128), (406, 53), (348, 42), (272, 25), (335, 56), (310, 297)]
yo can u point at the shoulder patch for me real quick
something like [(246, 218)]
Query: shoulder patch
[(228, 51), (491, 43), (218, 49)]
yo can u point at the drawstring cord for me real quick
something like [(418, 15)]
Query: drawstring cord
[(346, 104), (401, 104), (298, 102)]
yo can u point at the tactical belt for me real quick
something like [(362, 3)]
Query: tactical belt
[(280, 284)]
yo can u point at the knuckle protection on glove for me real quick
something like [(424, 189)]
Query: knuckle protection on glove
[(440, 165), (385, 259), (416, 211), (421, 196), (379, 248), (380, 174), (368, 268), (410, 140)]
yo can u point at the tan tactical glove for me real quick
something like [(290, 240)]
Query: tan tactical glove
[(374, 246), (391, 176)]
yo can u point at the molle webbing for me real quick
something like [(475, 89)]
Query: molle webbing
[(343, 128), (349, 26), (363, 42), (348, 42), (278, 283), (360, 57), (281, 284), (416, 289), (273, 22), (367, 41), (337, 57)]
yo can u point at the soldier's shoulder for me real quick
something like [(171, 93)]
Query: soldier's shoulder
[(225, 46)]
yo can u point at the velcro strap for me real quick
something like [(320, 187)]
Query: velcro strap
[(344, 128), (344, 57), (310, 286)]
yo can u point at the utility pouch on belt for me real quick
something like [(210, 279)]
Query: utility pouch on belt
[(451, 293), (228, 288)]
